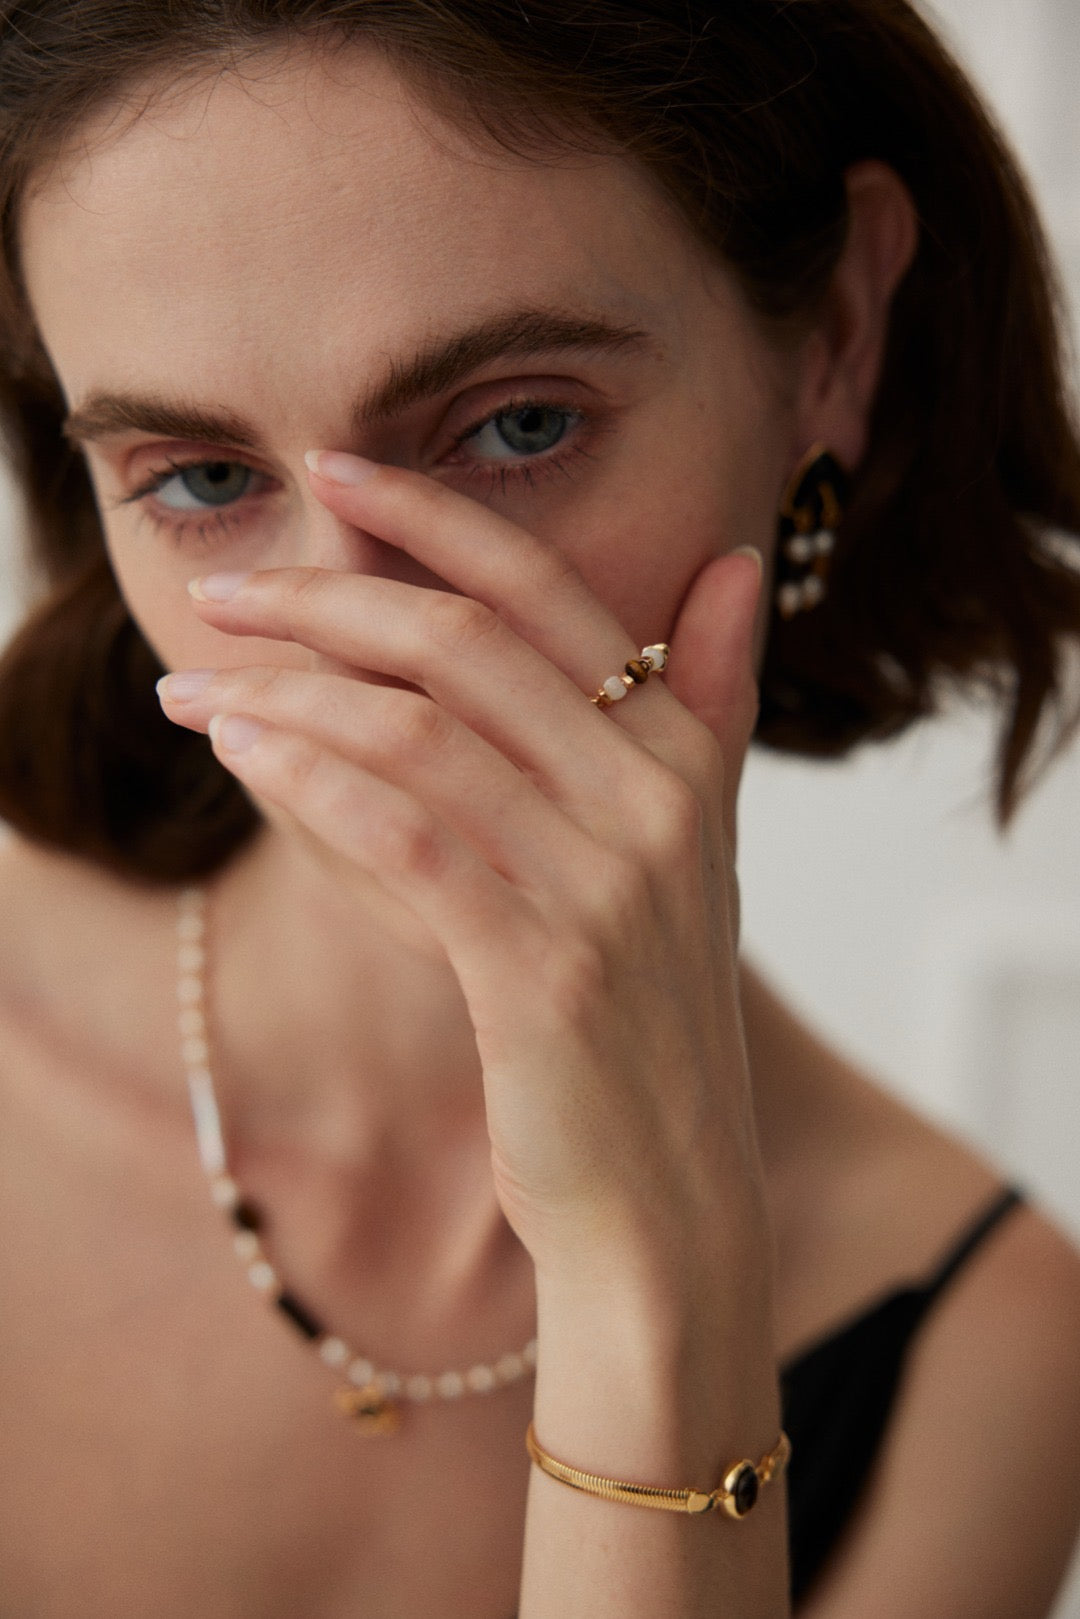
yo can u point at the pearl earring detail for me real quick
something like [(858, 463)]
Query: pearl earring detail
[(810, 514)]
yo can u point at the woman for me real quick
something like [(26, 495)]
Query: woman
[(400, 378)]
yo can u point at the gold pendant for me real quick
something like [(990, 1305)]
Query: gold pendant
[(369, 1408)]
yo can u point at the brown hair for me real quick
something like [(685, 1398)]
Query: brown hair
[(749, 113)]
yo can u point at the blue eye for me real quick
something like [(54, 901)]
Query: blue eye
[(523, 430), (204, 484)]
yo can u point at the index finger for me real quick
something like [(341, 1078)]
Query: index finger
[(533, 587)]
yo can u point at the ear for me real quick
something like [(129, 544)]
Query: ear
[(844, 353)]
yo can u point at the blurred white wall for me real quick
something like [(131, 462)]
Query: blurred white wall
[(876, 891), (13, 588)]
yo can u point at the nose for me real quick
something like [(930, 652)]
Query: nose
[(322, 540)]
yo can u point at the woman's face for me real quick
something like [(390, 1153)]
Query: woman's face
[(306, 256)]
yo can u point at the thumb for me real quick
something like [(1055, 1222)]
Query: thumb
[(711, 670)]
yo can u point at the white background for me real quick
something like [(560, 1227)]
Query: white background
[(876, 892)]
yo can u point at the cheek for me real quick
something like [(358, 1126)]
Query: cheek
[(641, 554), (701, 475), (151, 584), (154, 586), (157, 600)]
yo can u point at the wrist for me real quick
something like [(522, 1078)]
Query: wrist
[(658, 1373), (658, 1251)]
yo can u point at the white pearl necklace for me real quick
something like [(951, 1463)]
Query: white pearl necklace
[(371, 1393)]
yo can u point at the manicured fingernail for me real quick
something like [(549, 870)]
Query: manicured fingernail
[(217, 587), (234, 733), (752, 552), (184, 684), (337, 467)]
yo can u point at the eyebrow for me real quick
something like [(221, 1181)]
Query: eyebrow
[(437, 366)]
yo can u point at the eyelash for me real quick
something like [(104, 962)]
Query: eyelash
[(207, 527)]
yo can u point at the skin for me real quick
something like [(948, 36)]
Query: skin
[(539, 898), (694, 443)]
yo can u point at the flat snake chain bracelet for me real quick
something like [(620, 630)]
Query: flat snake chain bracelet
[(735, 1495)]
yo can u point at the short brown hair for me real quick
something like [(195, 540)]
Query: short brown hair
[(749, 112)]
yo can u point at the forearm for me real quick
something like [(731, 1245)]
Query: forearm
[(664, 1386)]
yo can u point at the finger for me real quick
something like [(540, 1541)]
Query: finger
[(468, 660), (712, 664), (403, 738), (529, 583), (382, 830)]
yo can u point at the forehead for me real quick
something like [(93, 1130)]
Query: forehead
[(265, 214)]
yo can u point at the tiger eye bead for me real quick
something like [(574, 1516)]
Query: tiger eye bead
[(638, 671), (246, 1216)]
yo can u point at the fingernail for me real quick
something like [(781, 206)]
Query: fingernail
[(183, 684), (217, 587), (234, 733), (337, 467), (752, 552)]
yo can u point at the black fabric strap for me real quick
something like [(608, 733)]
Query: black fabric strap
[(1002, 1203), (838, 1396)]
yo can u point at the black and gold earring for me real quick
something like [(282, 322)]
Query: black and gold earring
[(810, 514)]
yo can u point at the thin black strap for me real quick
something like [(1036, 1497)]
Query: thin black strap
[(1002, 1203)]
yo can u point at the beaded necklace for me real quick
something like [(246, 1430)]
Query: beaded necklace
[(370, 1395)]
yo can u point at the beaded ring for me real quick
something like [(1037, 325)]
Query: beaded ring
[(652, 660)]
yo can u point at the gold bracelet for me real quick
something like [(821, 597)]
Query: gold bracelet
[(735, 1495)]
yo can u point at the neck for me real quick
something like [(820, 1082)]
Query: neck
[(340, 1017)]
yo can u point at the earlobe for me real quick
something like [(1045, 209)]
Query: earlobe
[(849, 340)]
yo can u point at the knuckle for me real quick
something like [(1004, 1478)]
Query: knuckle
[(549, 568), (682, 815), (578, 978), (414, 845), (299, 764), (452, 621), (672, 819), (560, 572), (264, 685), (308, 589), (545, 575), (416, 726), (617, 895), (706, 758)]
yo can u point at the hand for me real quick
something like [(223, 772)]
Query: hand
[(576, 864)]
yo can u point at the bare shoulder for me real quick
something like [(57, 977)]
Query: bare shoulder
[(975, 1491), (60, 918), (36, 883), (83, 961), (973, 1503)]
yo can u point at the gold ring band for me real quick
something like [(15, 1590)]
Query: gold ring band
[(652, 660), (735, 1495)]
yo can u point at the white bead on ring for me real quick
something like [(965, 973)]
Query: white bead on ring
[(652, 660)]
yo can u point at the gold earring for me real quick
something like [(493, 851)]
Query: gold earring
[(810, 513)]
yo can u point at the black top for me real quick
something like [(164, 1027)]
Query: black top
[(837, 1397)]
